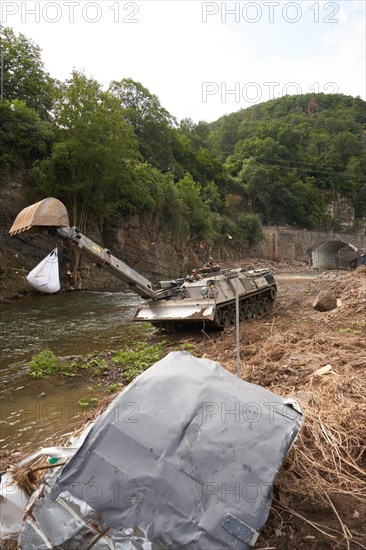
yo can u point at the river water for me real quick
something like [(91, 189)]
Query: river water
[(70, 323)]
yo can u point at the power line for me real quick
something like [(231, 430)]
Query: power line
[(311, 167)]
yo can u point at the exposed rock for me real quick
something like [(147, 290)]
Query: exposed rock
[(325, 301)]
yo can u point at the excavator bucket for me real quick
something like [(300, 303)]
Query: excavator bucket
[(49, 212)]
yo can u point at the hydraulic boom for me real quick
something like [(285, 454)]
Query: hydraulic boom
[(51, 212)]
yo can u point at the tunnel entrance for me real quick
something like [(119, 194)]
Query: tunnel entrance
[(334, 255)]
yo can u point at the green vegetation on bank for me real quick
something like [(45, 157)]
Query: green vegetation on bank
[(113, 153), (138, 359), (109, 371), (46, 362)]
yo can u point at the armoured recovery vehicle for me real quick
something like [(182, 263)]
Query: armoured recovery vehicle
[(209, 300)]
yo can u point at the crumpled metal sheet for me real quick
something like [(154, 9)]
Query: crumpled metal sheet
[(185, 457)]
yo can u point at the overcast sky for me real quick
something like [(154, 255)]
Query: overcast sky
[(202, 59)]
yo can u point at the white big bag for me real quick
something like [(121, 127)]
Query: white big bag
[(45, 276)]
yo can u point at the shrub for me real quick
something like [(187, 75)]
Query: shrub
[(43, 363)]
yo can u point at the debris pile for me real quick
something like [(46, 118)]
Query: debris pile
[(169, 465), (350, 288), (319, 358)]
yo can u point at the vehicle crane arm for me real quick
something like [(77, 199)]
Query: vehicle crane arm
[(52, 213)]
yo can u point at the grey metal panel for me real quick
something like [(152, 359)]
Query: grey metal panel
[(240, 530), (199, 444), (248, 284)]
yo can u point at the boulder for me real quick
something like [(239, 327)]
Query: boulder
[(325, 301)]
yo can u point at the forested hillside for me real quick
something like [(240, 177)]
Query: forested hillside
[(292, 155), (112, 153)]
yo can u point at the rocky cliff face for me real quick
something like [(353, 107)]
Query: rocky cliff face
[(136, 241), (341, 213)]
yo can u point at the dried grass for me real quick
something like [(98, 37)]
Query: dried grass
[(327, 462), (331, 445), (28, 478)]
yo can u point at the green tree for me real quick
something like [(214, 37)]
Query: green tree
[(151, 123), (172, 210), (24, 77), (24, 137), (249, 229), (93, 159), (198, 222), (194, 156), (356, 177), (305, 204)]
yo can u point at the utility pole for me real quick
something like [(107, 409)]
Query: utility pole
[(2, 76), (237, 326)]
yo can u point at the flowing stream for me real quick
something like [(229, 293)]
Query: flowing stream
[(71, 323)]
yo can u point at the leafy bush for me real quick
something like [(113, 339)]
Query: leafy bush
[(44, 362), (137, 360), (250, 229)]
